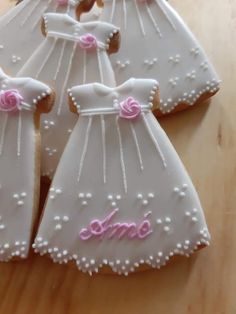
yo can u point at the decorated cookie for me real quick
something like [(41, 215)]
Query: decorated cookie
[(20, 28), (120, 196), (72, 53), (163, 48), (21, 102)]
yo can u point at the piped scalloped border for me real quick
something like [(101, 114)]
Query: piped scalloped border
[(120, 267)]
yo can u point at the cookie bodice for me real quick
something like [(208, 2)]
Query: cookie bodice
[(31, 91), (64, 27), (99, 99)]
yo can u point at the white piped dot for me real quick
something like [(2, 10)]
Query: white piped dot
[(167, 219), (166, 229), (65, 218), (58, 227)]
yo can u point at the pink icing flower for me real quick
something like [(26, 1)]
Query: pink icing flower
[(88, 41), (62, 2), (130, 108), (10, 100)]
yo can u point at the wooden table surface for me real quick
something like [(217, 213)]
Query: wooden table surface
[(205, 138)]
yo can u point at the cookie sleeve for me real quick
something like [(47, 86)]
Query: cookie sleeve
[(55, 22), (148, 91), (38, 95), (79, 95), (110, 36)]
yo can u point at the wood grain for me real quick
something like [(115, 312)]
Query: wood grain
[(205, 138)]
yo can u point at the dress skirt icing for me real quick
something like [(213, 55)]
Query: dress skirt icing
[(157, 44), (120, 196)]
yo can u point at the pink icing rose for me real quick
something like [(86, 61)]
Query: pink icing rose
[(62, 2), (88, 41), (10, 100), (130, 108)]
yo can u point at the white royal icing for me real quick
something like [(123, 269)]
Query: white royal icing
[(157, 44), (18, 148), (106, 181), (93, 15), (61, 62), (20, 32)]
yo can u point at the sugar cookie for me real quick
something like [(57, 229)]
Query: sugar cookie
[(21, 102), (120, 197)]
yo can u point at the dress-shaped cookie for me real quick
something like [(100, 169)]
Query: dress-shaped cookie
[(20, 31), (21, 101), (120, 196), (72, 53), (163, 48)]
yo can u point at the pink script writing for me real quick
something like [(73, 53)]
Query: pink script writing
[(101, 228)]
